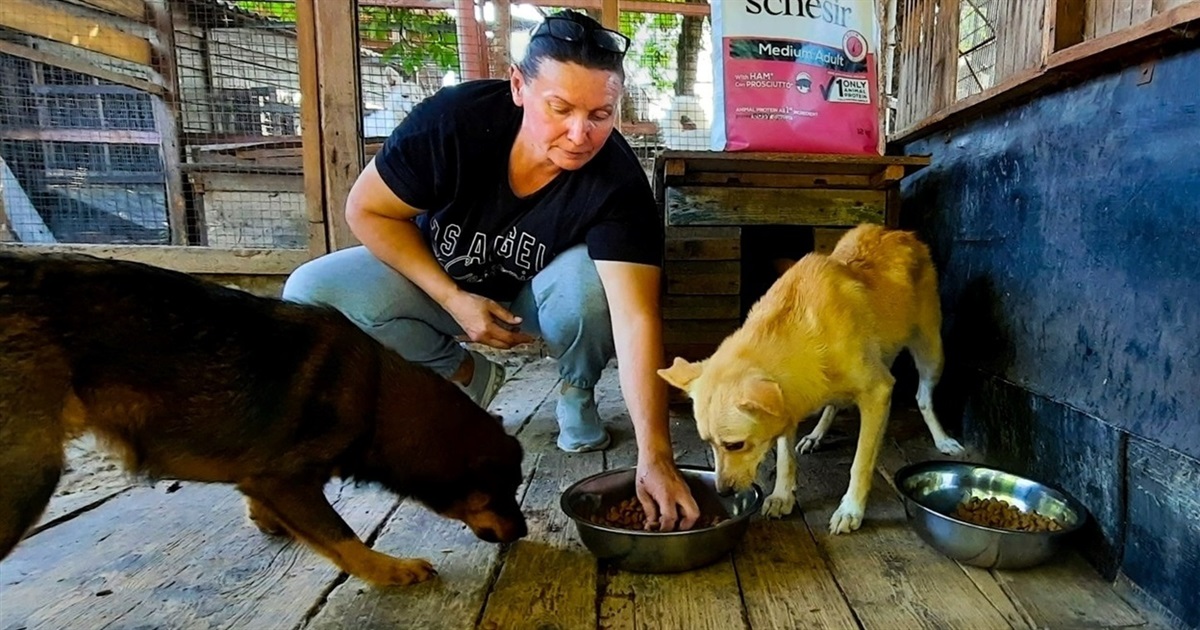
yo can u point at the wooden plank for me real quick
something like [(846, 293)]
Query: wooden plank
[(247, 182), (885, 178), (1064, 25), (549, 578), (705, 331), (777, 556), (776, 180), (1065, 66), (6, 233), (775, 162), (206, 565), (340, 91), (167, 117), (524, 391), (825, 239), (62, 23), (101, 136), (1162, 539), (718, 243), (1064, 593), (133, 9), (703, 278), (80, 66), (190, 259), (1142, 10), (715, 205), (890, 577), (726, 307), (465, 564), (709, 597)]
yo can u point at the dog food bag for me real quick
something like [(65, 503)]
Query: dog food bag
[(796, 76)]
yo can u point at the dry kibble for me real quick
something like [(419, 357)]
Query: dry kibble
[(628, 514), (993, 512)]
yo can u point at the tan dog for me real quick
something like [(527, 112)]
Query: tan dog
[(823, 336)]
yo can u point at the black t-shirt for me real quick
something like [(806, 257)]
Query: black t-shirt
[(449, 158)]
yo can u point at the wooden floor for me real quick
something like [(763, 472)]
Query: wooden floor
[(183, 556)]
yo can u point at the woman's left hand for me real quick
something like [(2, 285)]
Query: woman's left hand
[(665, 496)]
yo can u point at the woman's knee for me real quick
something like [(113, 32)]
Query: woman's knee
[(571, 299)]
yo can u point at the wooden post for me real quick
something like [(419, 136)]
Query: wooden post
[(472, 51), (310, 128), (167, 118), (501, 47), (340, 94)]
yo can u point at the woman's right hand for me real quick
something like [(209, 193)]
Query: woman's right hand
[(485, 321)]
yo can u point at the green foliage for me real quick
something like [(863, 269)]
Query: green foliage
[(421, 38), (655, 38)]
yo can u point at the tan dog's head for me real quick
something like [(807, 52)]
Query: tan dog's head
[(739, 411)]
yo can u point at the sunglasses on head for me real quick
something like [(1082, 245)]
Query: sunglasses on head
[(568, 30)]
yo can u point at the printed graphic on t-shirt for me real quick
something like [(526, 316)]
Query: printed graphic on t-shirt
[(477, 256)]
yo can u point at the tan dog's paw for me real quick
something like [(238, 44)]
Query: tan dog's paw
[(808, 443), (778, 505), (847, 518), (950, 446), (388, 571)]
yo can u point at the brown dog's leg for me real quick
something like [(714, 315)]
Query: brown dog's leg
[(873, 407), (263, 518), (301, 507)]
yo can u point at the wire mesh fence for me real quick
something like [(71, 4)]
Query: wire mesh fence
[(104, 139)]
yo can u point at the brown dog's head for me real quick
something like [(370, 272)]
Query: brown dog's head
[(739, 411), (455, 458)]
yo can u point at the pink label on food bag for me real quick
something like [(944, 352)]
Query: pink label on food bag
[(796, 76), (796, 96)]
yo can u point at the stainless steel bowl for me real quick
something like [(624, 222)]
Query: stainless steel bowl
[(931, 490), (659, 552)]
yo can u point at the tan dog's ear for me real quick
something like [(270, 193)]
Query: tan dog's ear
[(682, 373), (763, 395)]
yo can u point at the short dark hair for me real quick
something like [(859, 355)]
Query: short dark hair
[(583, 52)]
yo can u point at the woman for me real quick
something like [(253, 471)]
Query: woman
[(499, 210)]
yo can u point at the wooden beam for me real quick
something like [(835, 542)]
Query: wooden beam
[(1070, 65), (724, 205), (63, 23), (133, 9), (168, 120), (206, 260), (610, 14), (100, 136), (310, 128), (80, 66), (341, 112)]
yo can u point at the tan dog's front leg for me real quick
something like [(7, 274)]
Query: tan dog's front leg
[(873, 408), (782, 499), (301, 507)]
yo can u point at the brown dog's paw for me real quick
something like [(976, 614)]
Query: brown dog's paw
[(264, 519), (389, 571)]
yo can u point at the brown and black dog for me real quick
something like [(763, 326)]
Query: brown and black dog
[(194, 381)]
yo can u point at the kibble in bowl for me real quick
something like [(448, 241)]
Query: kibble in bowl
[(628, 514), (612, 525), (987, 517)]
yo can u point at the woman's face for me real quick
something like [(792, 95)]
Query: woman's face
[(569, 110)]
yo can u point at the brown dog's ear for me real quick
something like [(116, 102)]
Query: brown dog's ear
[(763, 395), (682, 373)]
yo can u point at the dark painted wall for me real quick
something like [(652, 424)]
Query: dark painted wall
[(1067, 231)]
